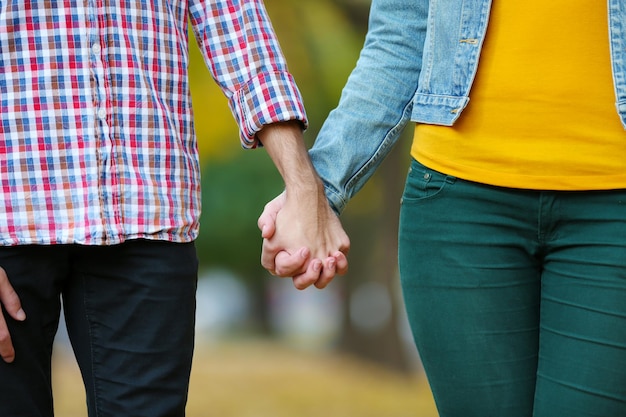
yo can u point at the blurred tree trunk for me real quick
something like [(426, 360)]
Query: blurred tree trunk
[(357, 11)]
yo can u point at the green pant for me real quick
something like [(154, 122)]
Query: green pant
[(516, 298)]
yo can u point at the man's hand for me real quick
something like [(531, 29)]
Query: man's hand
[(303, 237), (307, 221), (11, 303)]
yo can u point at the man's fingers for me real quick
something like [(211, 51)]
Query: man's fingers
[(267, 219), (268, 256), (12, 305), (6, 345), (310, 276), (9, 298), (288, 265), (320, 274), (267, 225), (279, 262)]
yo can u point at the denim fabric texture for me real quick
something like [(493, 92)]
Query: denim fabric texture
[(516, 298), (425, 77)]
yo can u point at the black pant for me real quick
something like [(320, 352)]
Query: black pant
[(129, 310)]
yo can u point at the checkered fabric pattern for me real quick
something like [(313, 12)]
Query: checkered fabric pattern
[(96, 126)]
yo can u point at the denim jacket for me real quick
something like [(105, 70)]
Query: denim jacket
[(418, 63)]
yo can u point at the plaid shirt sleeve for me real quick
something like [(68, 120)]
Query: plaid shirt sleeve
[(96, 126), (244, 57)]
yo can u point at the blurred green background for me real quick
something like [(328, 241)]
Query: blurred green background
[(321, 40), (263, 347)]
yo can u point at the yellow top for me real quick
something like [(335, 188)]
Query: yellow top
[(542, 112)]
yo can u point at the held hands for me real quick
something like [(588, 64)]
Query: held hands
[(302, 236), (303, 239), (11, 303)]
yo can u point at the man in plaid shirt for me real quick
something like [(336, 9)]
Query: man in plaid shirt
[(100, 190)]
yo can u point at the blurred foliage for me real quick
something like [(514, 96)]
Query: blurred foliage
[(321, 40), (321, 44), (234, 191)]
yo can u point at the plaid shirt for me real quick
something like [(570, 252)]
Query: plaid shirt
[(97, 142)]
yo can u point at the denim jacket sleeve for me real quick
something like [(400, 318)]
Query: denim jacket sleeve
[(376, 102), (418, 63)]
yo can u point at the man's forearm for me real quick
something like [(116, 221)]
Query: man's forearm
[(285, 145), (303, 218)]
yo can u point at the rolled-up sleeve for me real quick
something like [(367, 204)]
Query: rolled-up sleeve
[(243, 55)]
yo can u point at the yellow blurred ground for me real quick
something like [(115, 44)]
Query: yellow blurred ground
[(267, 379)]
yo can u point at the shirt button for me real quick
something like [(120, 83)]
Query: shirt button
[(96, 48), (102, 114)]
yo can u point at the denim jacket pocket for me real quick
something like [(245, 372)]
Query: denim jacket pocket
[(424, 183)]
